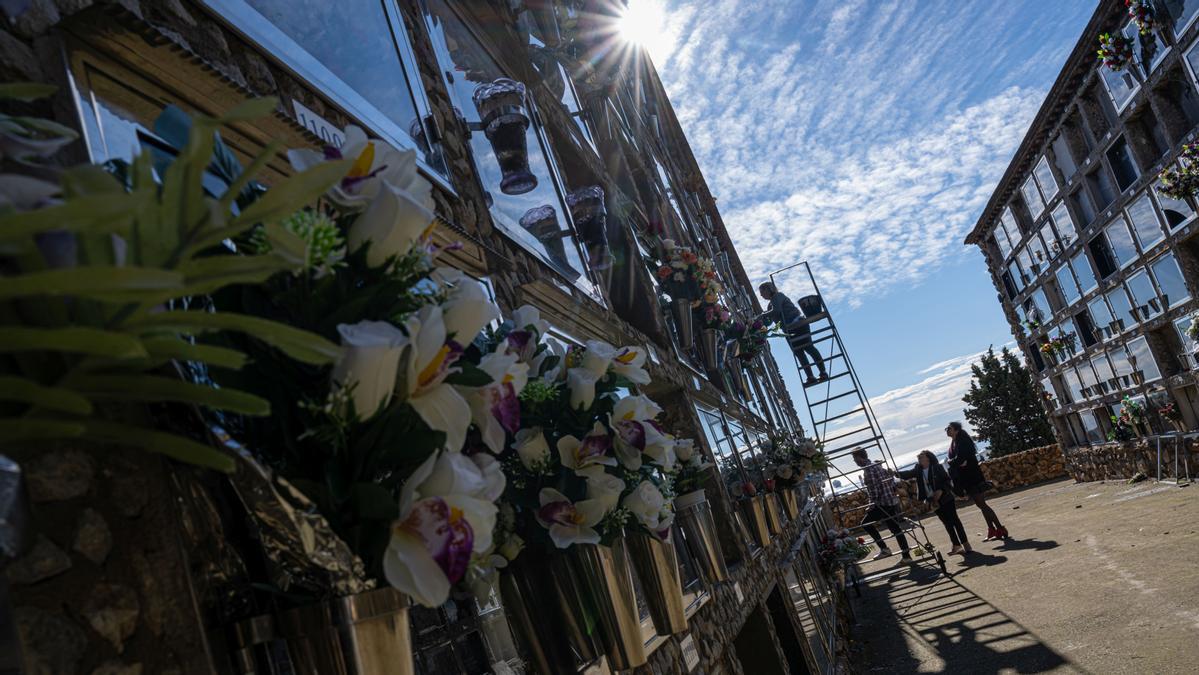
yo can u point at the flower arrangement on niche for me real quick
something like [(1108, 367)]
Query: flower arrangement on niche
[(680, 272), (1182, 180), (1142, 14), (1056, 346), (839, 548), (1115, 51)]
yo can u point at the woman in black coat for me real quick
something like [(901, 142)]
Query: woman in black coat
[(936, 490), (968, 478)]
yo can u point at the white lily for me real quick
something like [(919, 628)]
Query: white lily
[(494, 408), (444, 518), (581, 383), (597, 358), (430, 358), (568, 523), (369, 362), (629, 363)]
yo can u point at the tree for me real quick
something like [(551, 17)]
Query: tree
[(1003, 405)]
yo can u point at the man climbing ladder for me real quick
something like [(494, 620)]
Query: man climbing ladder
[(781, 310)]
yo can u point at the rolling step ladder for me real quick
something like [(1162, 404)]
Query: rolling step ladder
[(843, 421)]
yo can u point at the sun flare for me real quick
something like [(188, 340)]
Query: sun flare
[(643, 22)]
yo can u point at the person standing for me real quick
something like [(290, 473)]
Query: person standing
[(781, 310), (935, 489), (968, 477), (884, 505)]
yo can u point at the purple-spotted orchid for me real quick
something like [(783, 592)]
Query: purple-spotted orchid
[(593, 366), (447, 514), (494, 407), (632, 419), (375, 163), (629, 362), (593, 450), (569, 523), (430, 359)]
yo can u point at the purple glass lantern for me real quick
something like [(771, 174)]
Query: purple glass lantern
[(501, 106), (591, 221), (542, 223)]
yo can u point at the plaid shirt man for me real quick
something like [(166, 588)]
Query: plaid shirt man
[(879, 484)]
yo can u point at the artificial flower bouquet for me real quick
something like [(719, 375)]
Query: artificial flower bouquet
[(1142, 14), (679, 271), (691, 469), (713, 316), (839, 548), (1181, 180), (1115, 51)]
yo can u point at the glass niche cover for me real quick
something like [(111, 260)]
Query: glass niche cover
[(512, 160), (354, 51)]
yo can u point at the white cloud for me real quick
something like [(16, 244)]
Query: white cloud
[(842, 132)]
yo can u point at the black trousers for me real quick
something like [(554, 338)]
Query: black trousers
[(801, 344), (889, 515), (948, 513)]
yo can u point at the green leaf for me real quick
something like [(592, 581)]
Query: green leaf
[(372, 501), (26, 91), (294, 192), (79, 340), (250, 109), (130, 284), (298, 344), (152, 388), (243, 180), (99, 213), (182, 350), (13, 388), (206, 275), (28, 429), (90, 179), (469, 375), (175, 447)]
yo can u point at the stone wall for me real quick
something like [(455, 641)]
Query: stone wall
[(1121, 461)]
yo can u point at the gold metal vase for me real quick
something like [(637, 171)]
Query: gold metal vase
[(605, 577), (707, 347), (657, 566), (539, 594), (693, 515), (790, 499), (362, 634), (774, 514), (683, 321), (753, 514)]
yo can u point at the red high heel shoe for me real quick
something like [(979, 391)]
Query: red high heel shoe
[(1001, 533), (992, 534)]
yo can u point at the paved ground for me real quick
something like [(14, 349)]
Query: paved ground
[(1099, 578)]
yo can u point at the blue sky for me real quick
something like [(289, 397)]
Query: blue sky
[(865, 137)]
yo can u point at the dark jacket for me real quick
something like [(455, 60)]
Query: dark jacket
[(782, 310), (938, 478), (963, 463)]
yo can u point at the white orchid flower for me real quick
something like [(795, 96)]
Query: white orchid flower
[(629, 363), (662, 452), (529, 317), (557, 371), (494, 407), (375, 163), (590, 451), (632, 419), (468, 308), (603, 486), (568, 523), (430, 358), (532, 448), (369, 362), (445, 517)]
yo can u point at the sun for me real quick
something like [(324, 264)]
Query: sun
[(643, 22)]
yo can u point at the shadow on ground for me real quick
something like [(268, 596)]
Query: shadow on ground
[(927, 623)]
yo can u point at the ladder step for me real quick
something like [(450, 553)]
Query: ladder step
[(837, 417), (831, 454), (849, 433), (827, 379), (833, 398)]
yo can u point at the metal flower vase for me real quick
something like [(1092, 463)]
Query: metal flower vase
[(683, 321), (707, 347), (753, 514), (694, 517), (542, 615), (774, 514), (790, 499), (605, 578), (738, 374), (657, 566), (362, 634)]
